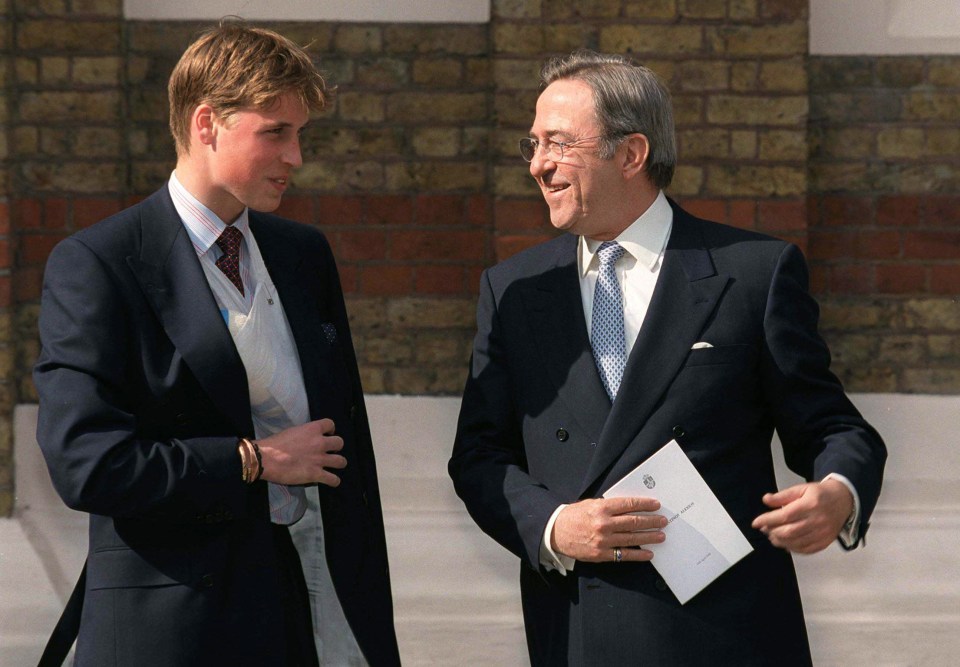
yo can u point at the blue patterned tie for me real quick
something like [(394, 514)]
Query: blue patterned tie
[(606, 332)]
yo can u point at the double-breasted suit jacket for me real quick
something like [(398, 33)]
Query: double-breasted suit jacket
[(537, 429), (142, 398)]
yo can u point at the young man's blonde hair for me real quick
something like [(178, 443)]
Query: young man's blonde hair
[(235, 66)]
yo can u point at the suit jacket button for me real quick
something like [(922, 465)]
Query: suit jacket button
[(353, 412), (660, 584), (678, 431), (206, 581), (562, 434)]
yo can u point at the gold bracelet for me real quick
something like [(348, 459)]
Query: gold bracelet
[(252, 458)]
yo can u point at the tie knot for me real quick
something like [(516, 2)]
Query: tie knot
[(229, 241), (610, 252)]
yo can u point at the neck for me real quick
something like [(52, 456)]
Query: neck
[(194, 178)]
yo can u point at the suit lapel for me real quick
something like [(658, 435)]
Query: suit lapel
[(686, 294), (171, 276), (556, 316)]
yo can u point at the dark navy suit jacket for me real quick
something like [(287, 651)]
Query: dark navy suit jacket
[(142, 398), (533, 374)]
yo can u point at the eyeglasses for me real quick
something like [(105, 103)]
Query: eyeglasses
[(552, 150)]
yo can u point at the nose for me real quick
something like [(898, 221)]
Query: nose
[(292, 155), (541, 164)]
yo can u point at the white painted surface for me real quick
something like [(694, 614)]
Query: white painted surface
[(896, 602), (376, 11), (884, 27)]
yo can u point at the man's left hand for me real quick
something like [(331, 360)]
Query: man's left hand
[(808, 517)]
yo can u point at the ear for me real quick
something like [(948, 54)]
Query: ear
[(203, 124), (636, 151)]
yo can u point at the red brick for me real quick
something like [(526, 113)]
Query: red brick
[(819, 279), (132, 200), (743, 214), (297, 207), (876, 245), (348, 277), (515, 215), (900, 278), (389, 210), (931, 245), (782, 215), (898, 211), (709, 209), (439, 280), (478, 210), (945, 279), (841, 211), (472, 279), (6, 260), (88, 211), (360, 245), (941, 211), (28, 284), (28, 213), (385, 280), (852, 279), (507, 246), (831, 245), (4, 218), (55, 213), (801, 240), (338, 210), (439, 210), (34, 248), (433, 245), (6, 292)]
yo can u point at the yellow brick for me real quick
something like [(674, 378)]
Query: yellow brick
[(925, 105), (942, 141), (364, 176), (703, 9), (650, 9), (436, 142), (510, 74), (562, 38), (518, 38), (900, 142), (653, 39), (364, 107), (97, 141), (744, 76), (87, 177), (97, 71), (54, 71), (318, 176), (356, 39), (784, 75), (27, 71), (516, 109), (446, 72), (513, 180), (687, 109), (437, 176), (454, 108), (765, 40), (582, 9), (69, 36), (743, 144), (703, 143), (783, 145), (754, 110), (687, 180), (26, 140), (108, 8), (742, 9), (515, 9), (60, 106), (695, 75), (422, 38), (944, 72), (750, 180)]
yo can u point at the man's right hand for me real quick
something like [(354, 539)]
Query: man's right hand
[(302, 454), (590, 530)]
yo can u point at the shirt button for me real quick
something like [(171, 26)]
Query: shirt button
[(206, 581), (562, 435)]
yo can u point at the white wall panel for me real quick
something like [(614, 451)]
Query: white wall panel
[(379, 11)]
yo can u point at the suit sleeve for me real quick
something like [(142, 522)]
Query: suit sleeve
[(820, 429), (87, 428), (488, 466)]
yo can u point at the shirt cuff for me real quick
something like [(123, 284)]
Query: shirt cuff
[(850, 533), (550, 559)]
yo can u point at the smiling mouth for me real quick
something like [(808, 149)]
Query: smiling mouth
[(555, 188)]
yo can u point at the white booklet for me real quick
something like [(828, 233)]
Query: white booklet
[(702, 541)]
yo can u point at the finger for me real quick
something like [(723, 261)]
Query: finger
[(630, 504), (635, 555), (334, 461), (327, 426), (628, 523), (636, 540), (784, 496), (332, 443), (328, 478)]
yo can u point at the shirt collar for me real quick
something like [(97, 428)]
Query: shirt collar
[(645, 238), (203, 225)]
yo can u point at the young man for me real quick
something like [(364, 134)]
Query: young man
[(641, 326), (199, 397)]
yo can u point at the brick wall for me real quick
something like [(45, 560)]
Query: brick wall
[(885, 218), (415, 177)]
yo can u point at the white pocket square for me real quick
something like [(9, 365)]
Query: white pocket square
[(702, 345)]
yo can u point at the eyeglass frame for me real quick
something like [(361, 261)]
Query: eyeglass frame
[(550, 143)]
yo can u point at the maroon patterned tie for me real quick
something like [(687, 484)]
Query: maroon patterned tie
[(229, 262)]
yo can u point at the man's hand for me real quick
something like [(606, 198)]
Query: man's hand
[(590, 530), (808, 517), (301, 454)]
